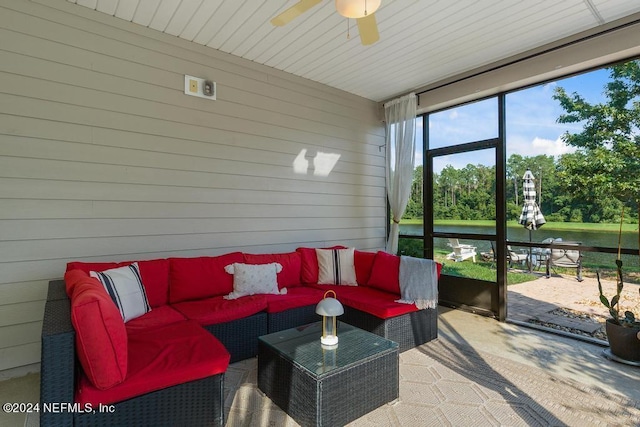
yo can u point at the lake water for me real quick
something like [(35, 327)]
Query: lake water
[(519, 233)]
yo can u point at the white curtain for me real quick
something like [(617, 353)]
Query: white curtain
[(400, 117)]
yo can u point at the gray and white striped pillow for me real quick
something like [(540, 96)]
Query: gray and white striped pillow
[(336, 267), (124, 286)]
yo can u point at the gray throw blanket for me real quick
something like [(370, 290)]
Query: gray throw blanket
[(418, 282)]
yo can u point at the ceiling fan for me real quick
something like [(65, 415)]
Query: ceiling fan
[(363, 11)]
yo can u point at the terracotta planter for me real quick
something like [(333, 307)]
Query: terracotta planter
[(624, 342)]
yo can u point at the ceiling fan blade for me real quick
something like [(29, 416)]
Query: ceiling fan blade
[(368, 29), (293, 12)]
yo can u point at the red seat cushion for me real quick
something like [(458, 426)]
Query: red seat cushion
[(202, 277), (385, 273), (160, 358), (154, 274), (340, 290), (309, 269), (101, 338), (214, 310), (364, 263), (157, 317), (291, 264), (300, 296), (379, 303)]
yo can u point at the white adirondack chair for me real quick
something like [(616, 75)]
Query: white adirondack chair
[(460, 251)]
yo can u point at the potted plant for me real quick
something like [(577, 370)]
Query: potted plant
[(623, 330)]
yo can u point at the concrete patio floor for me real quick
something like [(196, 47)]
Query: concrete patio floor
[(540, 300)]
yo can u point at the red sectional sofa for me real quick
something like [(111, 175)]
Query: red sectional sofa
[(166, 367)]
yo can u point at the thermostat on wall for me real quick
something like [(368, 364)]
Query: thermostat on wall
[(196, 86)]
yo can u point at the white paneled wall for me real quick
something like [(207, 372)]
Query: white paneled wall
[(103, 157)]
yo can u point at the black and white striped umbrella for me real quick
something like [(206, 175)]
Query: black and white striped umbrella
[(531, 216)]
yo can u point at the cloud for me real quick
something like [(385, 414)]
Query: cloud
[(532, 126), (528, 146), (550, 147)]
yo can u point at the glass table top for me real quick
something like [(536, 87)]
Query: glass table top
[(302, 346)]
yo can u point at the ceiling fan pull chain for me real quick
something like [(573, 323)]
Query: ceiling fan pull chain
[(365, 7), (348, 28)]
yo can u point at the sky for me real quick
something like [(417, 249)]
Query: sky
[(531, 116)]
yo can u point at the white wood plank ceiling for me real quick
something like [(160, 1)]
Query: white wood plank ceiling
[(421, 41)]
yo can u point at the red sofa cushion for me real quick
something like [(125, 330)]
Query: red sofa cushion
[(101, 337), (73, 278), (364, 263), (202, 277), (340, 290), (291, 265), (439, 268), (309, 269), (370, 300), (300, 296), (157, 317), (161, 358), (385, 273), (214, 310), (379, 303), (154, 274)]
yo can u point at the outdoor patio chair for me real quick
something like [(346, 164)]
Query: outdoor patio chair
[(516, 257), (566, 258), (540, 255), (490, 256), (461, 252)]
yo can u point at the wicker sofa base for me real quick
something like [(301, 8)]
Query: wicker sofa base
[(240, 336), (195, 403), (58, 357), (292, 317), (408, 330)]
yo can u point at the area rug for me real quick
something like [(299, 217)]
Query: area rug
[(444, 383), (478, 388)]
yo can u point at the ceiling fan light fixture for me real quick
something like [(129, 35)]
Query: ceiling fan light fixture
[(357, 8)]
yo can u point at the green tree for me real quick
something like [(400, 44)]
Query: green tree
[(607, 161), (415, 206), (467, 193)]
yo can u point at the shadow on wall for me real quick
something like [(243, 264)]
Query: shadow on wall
[(323, 163)]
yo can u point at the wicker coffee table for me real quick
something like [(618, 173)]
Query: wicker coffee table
[(322, 387)]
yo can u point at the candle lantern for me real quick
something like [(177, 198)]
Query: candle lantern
[(329, 308)]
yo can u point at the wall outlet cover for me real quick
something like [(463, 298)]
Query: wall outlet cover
[(202, 88)]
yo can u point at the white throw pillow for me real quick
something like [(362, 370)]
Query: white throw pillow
[(251, 279), (124, 286), (336, 267)]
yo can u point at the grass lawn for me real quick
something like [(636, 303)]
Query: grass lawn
[(484, 271), (479, 270)]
